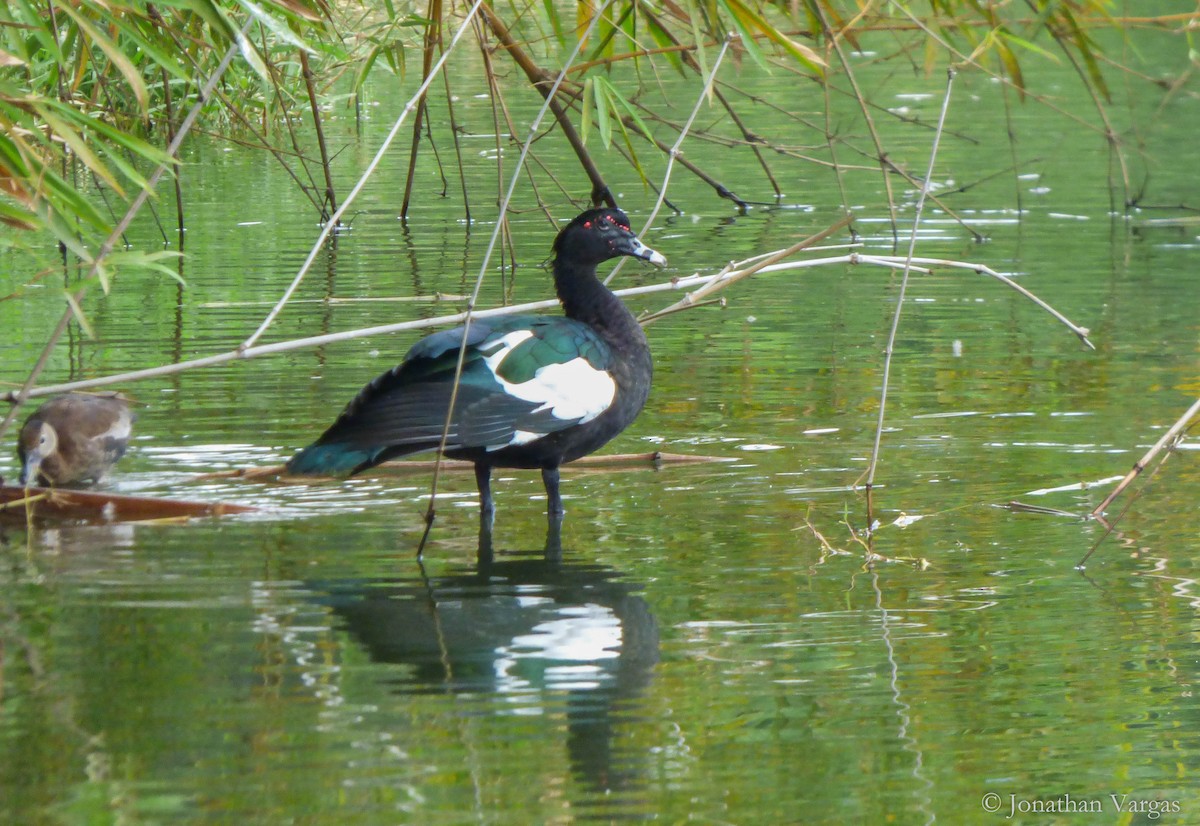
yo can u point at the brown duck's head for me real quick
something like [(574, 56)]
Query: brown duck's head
[(38, 441)]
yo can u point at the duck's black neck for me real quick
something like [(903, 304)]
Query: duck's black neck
[(585, 299)]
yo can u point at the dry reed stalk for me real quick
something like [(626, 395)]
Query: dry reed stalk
[(728, 275), (537, 78), (761, 264), (456, 139), (601, 461), (170, 118), (891, 341), (1111, 526), (1169, 439), (1081, 332)]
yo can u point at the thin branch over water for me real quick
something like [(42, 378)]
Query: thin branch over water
[(708, 283)]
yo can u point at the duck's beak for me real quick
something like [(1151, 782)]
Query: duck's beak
[(639, 250), (29, 470)]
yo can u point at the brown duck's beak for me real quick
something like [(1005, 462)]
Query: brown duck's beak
[(29, 470)]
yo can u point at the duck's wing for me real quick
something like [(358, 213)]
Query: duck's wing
[(522, 378)]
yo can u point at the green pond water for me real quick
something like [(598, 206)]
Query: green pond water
[(696, 652)]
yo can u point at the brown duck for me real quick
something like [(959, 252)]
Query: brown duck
[(74, 439)]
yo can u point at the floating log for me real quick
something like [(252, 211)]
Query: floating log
[(98, 506)]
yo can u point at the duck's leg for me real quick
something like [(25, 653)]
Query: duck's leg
[(484, 554), (553, 550), (483, 478), (554, 505)]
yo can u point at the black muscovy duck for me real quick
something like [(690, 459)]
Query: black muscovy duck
[(535, 391), (74, 439)]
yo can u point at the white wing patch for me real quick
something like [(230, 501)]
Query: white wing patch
[(121, 429), (572, 390)]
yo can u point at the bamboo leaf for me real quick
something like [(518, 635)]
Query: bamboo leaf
[(603, 121), (65, 200), (1028, 46), (252, 56), (633, 155), (68, 235), (18, 218), (555, 19), (746, 35), (77, 311), (751, 21), (605, 32), (616, 97), (585, 10), (221, 29), (585, 114), (1011, 66), (39, 28), (1084, 44), (699, 39), (298, 9), (276, 26), (146, 151), (162, 58), (128, 170), (79, 146), (365, 66), (112, 52), (102, 276), (150, 261), (664, 40)]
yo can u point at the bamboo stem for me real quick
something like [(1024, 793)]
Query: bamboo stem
[(1081, 332), (330, 201), (457, 142), (433, 31), (762, 264), (690, 60), (170, 115), (537, 78), (880, 155)]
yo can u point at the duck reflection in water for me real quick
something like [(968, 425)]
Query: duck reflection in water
[(534, 632)]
